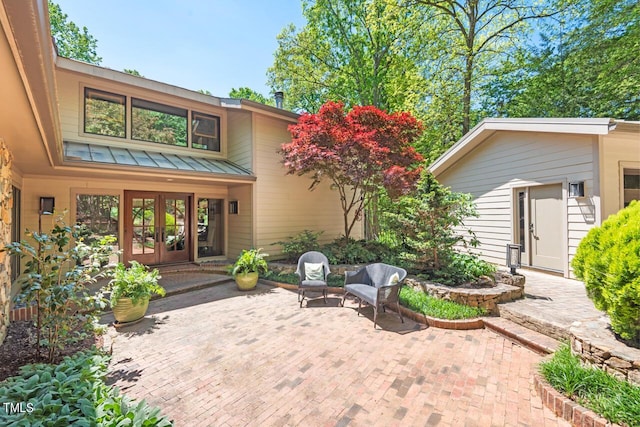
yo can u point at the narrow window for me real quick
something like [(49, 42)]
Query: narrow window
[(205, 132), (155, 122), (15, 230), (210, 227), (521, 221), (104, 113), (631, 185)]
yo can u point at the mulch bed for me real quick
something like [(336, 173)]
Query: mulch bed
[(18, 348)]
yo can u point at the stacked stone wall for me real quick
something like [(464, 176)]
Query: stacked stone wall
[(6, 205)]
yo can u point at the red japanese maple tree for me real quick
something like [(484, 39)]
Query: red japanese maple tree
[(358, 151)]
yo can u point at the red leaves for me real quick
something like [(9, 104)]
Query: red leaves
[(364, 147)]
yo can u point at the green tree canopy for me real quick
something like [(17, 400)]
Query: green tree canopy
[(250, 94), (72, 41)]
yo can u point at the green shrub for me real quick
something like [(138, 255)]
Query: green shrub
[(434, 307), (136, 282), (59, 268), (71, 393), (608, 261), (429, 224), (616, 400), (462, 268), (303, 242)]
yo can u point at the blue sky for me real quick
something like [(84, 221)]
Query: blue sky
[(196, 44)]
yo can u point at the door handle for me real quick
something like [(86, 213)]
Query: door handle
[(162, 234)]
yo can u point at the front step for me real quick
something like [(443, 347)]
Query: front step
[(533, 340), (543, 326)]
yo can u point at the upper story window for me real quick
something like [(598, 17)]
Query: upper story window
[(155, 122), (104, 113), (205, 131)]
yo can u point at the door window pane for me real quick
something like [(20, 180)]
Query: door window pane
[(104, 113), (143, 214), (155, 122), (210, 227), (174, 230)]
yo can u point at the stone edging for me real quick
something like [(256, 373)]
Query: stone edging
[(465, 324), (563, 407)]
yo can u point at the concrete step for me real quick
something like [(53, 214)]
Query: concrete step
[(536, 341)]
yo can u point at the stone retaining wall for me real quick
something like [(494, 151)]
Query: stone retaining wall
[(596, 345), (6, 205), (487, 298)]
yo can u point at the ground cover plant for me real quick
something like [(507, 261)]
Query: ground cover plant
[(608, 261), (421, 302), (71, 393), (616, 400)]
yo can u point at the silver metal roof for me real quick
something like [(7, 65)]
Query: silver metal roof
[(91, 153)]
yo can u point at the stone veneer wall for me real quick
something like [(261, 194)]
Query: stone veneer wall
[(6, 204)]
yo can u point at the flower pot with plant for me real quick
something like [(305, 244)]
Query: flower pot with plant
[(131, 288), (248, 267)]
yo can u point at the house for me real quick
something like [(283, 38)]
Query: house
[(175, 175), (543, 183)]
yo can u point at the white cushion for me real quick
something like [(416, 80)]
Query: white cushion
[(314, 271), (394, 279)]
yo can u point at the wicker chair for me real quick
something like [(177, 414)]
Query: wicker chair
[(304, 284), (376, 284)]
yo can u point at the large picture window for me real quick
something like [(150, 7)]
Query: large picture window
[(104, 113), (155, 122), (205, 132), (98, 215)]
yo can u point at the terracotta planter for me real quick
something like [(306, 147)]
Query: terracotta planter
[(246, 281), (125, 311)]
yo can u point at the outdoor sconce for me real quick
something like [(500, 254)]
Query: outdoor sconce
[(513, 257), (279, 96), (576, 189), (47, 205)]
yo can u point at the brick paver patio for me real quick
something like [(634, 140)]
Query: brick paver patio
[(217, 357)]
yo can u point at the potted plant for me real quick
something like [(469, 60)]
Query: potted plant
[(247, 268), (131, 289)]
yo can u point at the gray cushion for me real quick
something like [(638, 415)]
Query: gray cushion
[(365, 292), (313, 283)]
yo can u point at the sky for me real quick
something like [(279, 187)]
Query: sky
[(215, 45)]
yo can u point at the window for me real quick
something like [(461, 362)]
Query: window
[(210, 227), (155, 122), (98, 215), (631, 183), (205, 132), (15, 230), (104, 113)]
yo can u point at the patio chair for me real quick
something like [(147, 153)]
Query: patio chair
[(313, 275), (377, 284)]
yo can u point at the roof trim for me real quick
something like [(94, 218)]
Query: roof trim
[(488, 127)]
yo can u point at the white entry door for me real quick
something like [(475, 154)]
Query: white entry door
[(545, 227)]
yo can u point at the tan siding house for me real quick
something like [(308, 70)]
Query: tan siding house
[(176, 175), (526, 175)]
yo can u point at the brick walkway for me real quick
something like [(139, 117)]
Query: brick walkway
[(217, 357)]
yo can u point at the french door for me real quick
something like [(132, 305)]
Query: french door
[(157, 227)]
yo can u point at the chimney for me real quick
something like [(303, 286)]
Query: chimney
[(279, 98)]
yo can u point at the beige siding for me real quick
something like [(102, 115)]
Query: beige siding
[(618, 150), (240, 225), (510, 160), (284, 204), (240, 136)]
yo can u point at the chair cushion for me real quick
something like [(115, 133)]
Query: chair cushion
[(313, 284), (364, 292), (313, 271), (394, 279)]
